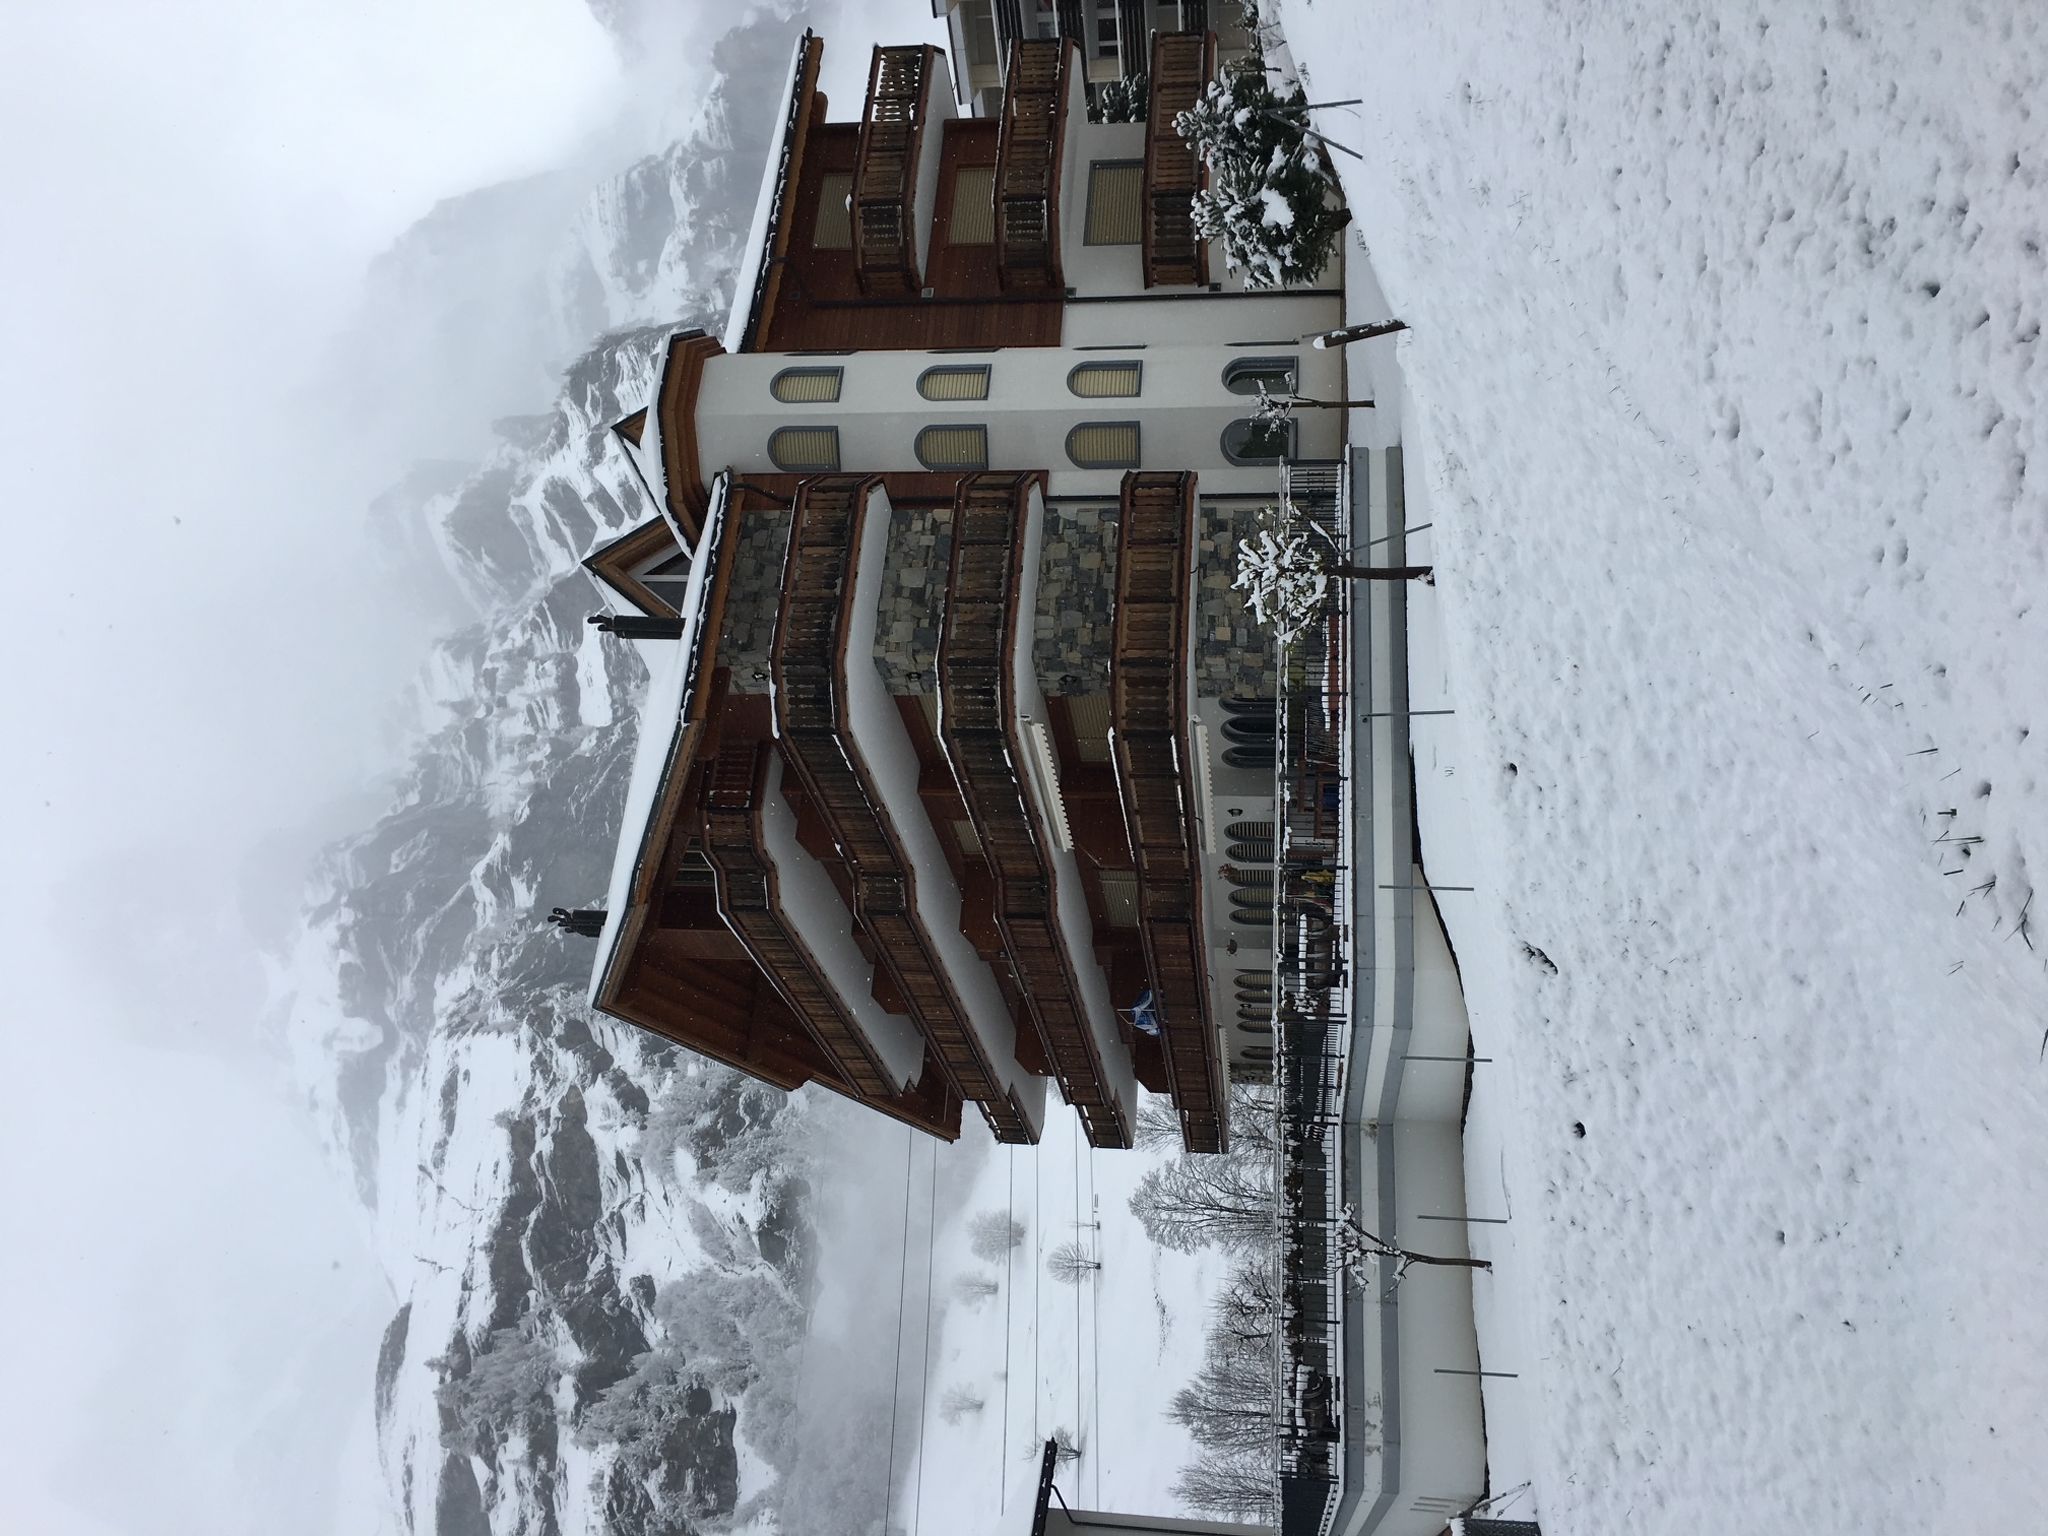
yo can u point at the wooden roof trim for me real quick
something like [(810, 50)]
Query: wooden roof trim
[(807, 110), (615, 563), (682, 374), (630, 427)]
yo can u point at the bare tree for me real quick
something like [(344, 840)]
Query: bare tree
[(958, 1403), (1358, 1250), (1199, 1202), (975, 1289), (1285, 568), (1158, 1126), (992, 1234), (1232, 1483), (1070, 1263)]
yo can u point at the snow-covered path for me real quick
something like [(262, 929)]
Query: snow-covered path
[(1724, 395)]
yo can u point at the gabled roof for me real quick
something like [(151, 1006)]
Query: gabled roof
[(630, 427), (615, 563), (672, 723), (760, 272)]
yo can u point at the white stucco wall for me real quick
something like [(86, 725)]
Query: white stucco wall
[(1182, 408), (813, 905)]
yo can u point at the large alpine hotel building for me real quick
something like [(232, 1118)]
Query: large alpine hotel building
[(959, 744)]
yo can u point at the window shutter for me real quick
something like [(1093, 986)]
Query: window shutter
[(974, 206), (1102, 381), (1116, 196), (953, 447), (806, 386), (805, 450), (1104, 445), (832, 230), (954, 383)]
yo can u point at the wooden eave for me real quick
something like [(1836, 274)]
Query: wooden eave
[(682, 375), (632, 426), (807, 110)]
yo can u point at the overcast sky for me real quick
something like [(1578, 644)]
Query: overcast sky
[(207, 655)]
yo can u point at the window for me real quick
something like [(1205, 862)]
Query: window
[(1116, 198), (805, 386), (1104, 445), (832, 229), (973, 220), (953, 447), (668, 580), (954, 383), (804, 450), (1246, 374), (1103, 381), (1251, 441)]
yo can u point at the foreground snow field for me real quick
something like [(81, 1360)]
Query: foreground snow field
[(1723, 399)]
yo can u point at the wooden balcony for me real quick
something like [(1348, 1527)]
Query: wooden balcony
[(1150, 707), (885, 176), (812, 715), (750, 904), (1182, 65), (982, 731), (1030, 148)]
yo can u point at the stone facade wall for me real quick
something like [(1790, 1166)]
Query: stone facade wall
[(754, 596), (913, 598), (1076, 585), (1233, 655)]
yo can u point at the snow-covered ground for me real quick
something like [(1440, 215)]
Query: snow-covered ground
[(1723, 406), (1099, 1360)]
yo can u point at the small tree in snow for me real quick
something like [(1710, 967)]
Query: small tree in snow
[(1268, 190), (958, 1403), (975, 1289), (1070, 1263), (1360, 1252), (991, 1235), (1284, 571), (1124, 100)]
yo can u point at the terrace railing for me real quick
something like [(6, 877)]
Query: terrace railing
[(1182, 66), (1030, 146), (892, 133)]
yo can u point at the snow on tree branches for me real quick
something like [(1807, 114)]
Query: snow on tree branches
[(1284, 577), (1360, 1252), (1268, 192)]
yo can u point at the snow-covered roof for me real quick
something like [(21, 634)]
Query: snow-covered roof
[(751, 278), (658, 758)]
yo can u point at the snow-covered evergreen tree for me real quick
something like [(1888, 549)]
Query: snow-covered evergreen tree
[(1269, 197)]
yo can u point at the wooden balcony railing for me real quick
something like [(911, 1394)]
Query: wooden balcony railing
[(1029, 147), (885, 173), (810, 656), (1182, 65), (1150, 709), (751, 905), (981, 728)]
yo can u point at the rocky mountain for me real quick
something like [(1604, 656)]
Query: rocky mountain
[(601, 1250)]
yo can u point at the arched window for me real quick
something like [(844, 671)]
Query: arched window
[(1251, 441), (1104, 381), (1104, 445), (1244, 375), (805, 386), (953, 447), (954, 382), (804, 450)]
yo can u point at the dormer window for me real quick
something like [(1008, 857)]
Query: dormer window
[(1104, 445), (668, 580), (804, 450), (953, 447), (954, 383), (806, 386), (1103, 381)]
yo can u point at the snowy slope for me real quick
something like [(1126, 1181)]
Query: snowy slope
[(1723, 399)]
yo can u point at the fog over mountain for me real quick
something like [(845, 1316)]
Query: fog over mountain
[(602, 1251)]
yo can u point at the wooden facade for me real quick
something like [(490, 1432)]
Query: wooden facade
[(1151, 704)]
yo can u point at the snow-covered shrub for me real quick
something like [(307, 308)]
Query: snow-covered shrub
[(1268, 197), (1124, 100), (1283, 575)]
